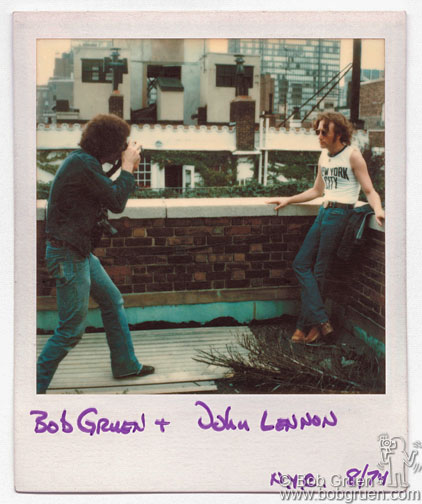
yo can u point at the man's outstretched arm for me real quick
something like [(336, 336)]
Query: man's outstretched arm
[(315, 192)]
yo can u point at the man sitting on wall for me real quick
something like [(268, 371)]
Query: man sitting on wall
[(342, 172), (80, 192)]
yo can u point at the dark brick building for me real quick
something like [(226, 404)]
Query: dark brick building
[(371, 110)]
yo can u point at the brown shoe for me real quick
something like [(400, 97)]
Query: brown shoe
[(321, 333), (326, 328), (313, 335), (298, 336)]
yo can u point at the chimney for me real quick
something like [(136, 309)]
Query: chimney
[(118, 67), (242, 110), (115, 104)]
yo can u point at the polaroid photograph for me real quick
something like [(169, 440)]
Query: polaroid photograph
[(209, 294)]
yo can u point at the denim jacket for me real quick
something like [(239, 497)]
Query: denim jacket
[(353, 237), (80, 188)]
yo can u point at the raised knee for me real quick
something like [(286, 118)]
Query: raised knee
[(113, 302), (298, 266)]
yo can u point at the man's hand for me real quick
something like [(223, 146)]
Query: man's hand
[(380, 217), (131, 156), (280, 202)]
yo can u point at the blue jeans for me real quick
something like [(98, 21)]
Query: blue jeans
[(77, 278), (312, 261)]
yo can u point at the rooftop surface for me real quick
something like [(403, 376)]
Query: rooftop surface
[(86, 370)]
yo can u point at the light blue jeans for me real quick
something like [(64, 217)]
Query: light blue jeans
[(77, 278), (312, 261)]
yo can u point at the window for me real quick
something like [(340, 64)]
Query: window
[(226, 76), (155, 71), (143, 173), (92, 71), (297, 94)]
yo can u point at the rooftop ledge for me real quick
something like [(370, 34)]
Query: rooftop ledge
[(210, 207)]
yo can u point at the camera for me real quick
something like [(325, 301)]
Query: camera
[(103, 224), (102, 227)]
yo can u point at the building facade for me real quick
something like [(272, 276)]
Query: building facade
[(366, 75), (371, 111), (300, 69), (217, 85), (160, 73)]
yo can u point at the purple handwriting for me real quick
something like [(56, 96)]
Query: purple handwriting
[(297, 481), (360, 477), (305, 421), (219, 423), (223, 422), (89, 423), (354, 478)]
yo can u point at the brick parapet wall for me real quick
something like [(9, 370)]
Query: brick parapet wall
[(156, 255), (366, 289), (360, 284), (223, 253)]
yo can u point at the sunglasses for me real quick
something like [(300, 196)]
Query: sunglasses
[(322, 132)]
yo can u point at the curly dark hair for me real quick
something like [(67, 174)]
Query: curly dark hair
[(342, 126), (104, 135)]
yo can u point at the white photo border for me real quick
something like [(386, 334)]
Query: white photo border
[(186, 458)]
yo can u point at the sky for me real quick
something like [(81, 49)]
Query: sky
[(49, 49)]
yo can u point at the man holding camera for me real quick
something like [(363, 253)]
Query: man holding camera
[(80, 192)]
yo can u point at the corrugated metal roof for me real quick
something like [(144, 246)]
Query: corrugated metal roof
[(86, 369), (169, 84)]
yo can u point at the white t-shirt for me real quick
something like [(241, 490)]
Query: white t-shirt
[(341, 185)]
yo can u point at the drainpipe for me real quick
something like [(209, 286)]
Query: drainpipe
[(267, 125), (355, 91), (261, 125)]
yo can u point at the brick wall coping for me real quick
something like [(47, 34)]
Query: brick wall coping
[(209, 207)]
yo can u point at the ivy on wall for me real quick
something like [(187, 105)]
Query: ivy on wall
[(250, 189), (218, 172), (49, 160), (216, 168), (376, 170), (296, 164)]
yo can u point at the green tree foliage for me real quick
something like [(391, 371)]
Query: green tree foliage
[(49, 160), (297, 164), (215, 168), (43, 189), (218, 171), (250, 189), (376, 164)]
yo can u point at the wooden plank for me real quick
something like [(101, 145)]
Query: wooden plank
[(170, 351), (165, 388)]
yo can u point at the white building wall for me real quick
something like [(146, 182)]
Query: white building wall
[(203, 138), (160, 173), (157, 176), (244, 169), (194, 49), (92, 98), (136, 84), (137, 50), (191, 96), (218, 99), (169, 105)]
